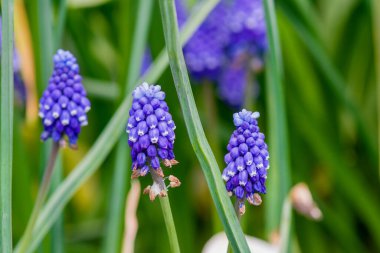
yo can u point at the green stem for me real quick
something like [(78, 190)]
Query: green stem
[(121, 178), (62, 9), (57, 232), (211, 128), (6, 127), (279, 176), (42, 193), (212, 124), (166, 211), (120, 182), (169, 223), (46, 43), (195, 130), (286, 226), (238, 215), (376, 44)]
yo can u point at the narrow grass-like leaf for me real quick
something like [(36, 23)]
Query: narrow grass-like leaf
[(305, 82), (57, 232), (105, 141), (45, 49), (62, 9), (101, 89), (286, 226), (6, 127), (336, 82), (376, 44), (279, 175), (46, 43), (348, 179), (121, 176), (195, 130), (83, 171)]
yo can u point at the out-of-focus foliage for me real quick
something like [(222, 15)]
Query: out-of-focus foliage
[(330, 96)]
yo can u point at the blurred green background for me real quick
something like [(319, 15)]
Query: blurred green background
[(331, 100)]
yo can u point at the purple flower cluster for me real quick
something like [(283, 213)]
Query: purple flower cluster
[(232, 39), (247, 159), (246, 24), (63, 105), (205, 51), (151, 130)]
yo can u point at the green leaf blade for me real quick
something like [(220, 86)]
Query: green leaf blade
[(6, 127), (279, 175), (121, 178), (103, 146), (195, 129)]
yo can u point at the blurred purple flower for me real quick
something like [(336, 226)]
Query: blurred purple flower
[(64, 104), (232, 84), (146, 61), (246, 23), (18, 82), (181, 12), (227, 47), (151, 130), (246, 160), (204, 52)]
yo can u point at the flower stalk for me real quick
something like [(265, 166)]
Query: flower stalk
[(159, 184), (169, 223), (44, 189)]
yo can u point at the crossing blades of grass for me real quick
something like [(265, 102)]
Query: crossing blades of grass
[(106, 140), (121, 176), (195, 129)]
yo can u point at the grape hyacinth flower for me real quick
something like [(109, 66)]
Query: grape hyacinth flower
[(204, 52), (64, 103), (232, 84), (246, 24), (247, 160), (151, 137), (245, 50), (228, 48)]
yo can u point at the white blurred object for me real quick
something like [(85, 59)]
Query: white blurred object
[(218, 244)]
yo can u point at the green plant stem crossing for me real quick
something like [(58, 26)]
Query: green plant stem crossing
[(42, 193), (195, 130), (108, 138)]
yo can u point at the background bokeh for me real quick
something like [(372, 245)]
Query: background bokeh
[(330, 94)]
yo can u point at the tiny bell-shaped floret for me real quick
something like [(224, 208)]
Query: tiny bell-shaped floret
[(247, 160), (64, 103)]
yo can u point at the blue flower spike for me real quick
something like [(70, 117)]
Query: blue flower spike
[(228, 48), (64, 104), (247, 160), (151, 138)]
